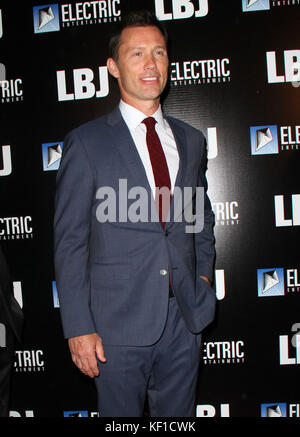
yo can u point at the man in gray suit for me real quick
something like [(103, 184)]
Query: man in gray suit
[(135, 291)]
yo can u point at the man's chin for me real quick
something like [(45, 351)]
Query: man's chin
[(153, 95)]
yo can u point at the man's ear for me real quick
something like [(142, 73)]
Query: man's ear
[(113, 67)]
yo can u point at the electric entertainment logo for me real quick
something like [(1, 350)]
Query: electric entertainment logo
[(29, 361), (76, 413), (289, 138), (270, 139), (46, 18), (95, 12), (16, 228), (223, 352), (283, 3), (280, 409), (181, 9), (264, 140), (53, 17), (277, 281), (270, 282), (276, 409), (80, 413), (55, 295), (51, 153), (255, 5), (263, 5), (11, 90), (292, 280), (226, 213), (199, 72), (17, 292)]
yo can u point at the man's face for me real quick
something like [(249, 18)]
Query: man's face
[(142, 67)]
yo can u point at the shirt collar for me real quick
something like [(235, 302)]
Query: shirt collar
[(133, 117)]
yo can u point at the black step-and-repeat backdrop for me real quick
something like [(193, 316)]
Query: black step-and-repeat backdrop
[(235, 75)]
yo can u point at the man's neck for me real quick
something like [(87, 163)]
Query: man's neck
[(147, 108)]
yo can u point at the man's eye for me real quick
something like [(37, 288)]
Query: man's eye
[(137, 53)]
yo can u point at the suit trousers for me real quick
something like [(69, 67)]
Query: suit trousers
[(164, 373)]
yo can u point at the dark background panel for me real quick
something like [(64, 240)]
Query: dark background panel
[(45, 381)]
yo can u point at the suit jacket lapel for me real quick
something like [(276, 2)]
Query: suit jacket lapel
[(126, 147), (180, 138), (176, 206)]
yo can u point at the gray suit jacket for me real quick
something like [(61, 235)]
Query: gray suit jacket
[(112, 277)]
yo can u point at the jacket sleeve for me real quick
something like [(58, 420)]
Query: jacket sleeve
[(204, 240), (72, 223)]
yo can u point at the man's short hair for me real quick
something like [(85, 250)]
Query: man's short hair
[(134, 19)]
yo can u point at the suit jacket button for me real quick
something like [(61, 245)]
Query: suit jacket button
[(163, 272)]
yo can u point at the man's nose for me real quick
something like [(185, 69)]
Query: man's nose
[(150, 61)]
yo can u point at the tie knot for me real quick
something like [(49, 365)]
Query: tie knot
[(149, 122)]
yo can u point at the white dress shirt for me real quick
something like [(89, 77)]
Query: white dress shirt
[(134, 120)]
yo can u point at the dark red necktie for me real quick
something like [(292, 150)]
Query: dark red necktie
[(160, 169), (161, 174)]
